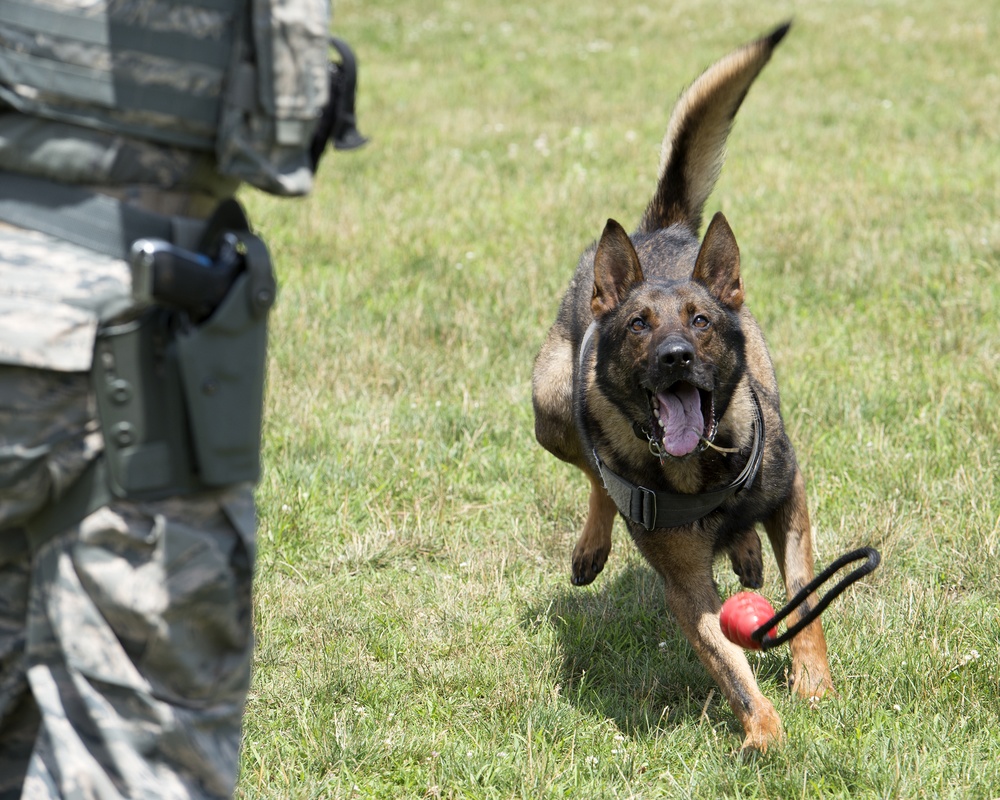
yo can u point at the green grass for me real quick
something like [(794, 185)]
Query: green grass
[(417, 632)]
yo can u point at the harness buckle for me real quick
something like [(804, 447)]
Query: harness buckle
[(643, 508)]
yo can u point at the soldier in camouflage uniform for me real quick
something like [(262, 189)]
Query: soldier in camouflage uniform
[(125, 638)]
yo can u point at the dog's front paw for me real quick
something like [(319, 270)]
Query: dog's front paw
[(763, 730), (587, 564)]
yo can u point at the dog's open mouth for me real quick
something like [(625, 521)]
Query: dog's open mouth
[(683, 415)]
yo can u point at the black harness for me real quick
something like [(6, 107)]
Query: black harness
[(653, 509)]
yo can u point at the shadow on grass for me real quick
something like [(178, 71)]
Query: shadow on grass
[(621, 655)]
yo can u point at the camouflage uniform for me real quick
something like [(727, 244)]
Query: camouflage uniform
[(125, 640)]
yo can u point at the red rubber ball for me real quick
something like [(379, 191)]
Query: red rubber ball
[(742, 614)]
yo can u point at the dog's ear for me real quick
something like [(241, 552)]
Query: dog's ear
[(616, 269), (718, 264)]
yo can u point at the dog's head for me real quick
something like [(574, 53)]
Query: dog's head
[(671, 345)]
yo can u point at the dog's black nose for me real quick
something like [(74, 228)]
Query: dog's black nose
[(675, 352)]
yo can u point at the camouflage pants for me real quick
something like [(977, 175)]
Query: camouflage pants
[(125, 642)]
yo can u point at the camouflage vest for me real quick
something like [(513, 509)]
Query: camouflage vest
[(244, 80)]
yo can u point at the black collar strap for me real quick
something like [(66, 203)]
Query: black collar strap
[(669, 510)]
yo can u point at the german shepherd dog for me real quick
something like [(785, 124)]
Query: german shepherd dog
[(656, 382)]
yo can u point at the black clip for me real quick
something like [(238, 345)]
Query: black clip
[(338, 122)]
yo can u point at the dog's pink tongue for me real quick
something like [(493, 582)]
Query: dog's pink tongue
[(681, 418)]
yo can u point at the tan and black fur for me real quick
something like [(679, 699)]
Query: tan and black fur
[(671, 324)]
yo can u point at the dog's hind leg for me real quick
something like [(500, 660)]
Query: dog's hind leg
[(791, 538), (552, 398), (594, 545), (745, 556), (692, 597)]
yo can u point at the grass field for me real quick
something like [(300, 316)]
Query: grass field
[(418, 635)]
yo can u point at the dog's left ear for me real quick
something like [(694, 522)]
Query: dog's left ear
[(616, 269), (718, 264)]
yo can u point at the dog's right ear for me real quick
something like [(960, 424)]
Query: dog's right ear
[(616, 269)]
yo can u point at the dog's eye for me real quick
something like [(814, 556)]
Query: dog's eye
[(637, 325), (700, 321)]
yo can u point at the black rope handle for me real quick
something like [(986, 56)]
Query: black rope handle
[(871, 558)]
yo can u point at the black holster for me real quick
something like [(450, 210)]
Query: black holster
[(181, 403)]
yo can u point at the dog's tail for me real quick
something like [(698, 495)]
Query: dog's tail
[(695, 144)]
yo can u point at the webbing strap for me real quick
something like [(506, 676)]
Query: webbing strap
[(88, 219), (110, 82), (103, 29), (660, 509), (112, 90)]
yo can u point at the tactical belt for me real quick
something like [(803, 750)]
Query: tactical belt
[(86, 218)]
